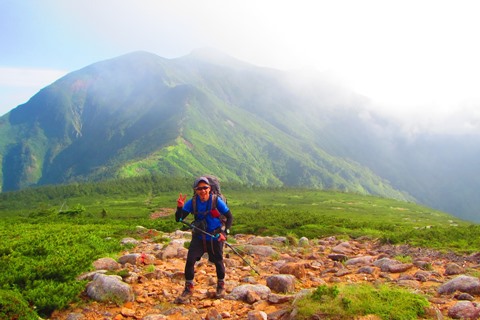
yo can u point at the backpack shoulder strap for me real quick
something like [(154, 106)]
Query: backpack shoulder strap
[(214, 201), (194, 205), (213, 205)]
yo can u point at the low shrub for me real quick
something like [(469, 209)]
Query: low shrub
[(351, 301), (13, 306)]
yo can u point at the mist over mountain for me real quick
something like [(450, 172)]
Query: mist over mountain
[(210, 113)]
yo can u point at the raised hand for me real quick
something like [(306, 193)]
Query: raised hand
[(181, 200)]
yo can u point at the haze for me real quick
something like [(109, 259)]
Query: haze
[(416, 60)]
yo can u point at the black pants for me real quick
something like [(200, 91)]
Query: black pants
[(196, 251)]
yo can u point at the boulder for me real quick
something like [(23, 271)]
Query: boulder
[(462, 283), (109, 288), (106, 264), (281, 283)]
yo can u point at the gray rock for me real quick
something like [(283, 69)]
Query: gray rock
[(256, 315), (231, 263), (397, 268), (424, 265), (280, 240), (366, 270), (392, 266), (249, 279), (241, 292), (75, 316), (109, 288), (280, 314), (453, 269), (106, 264), (89, 275), (280, 298), (337, 257), (464, 296), (133, 241), (157, 247), (463, 310), (264, 251), (365, 260), (422, 276), (213, 314), (129, 258), (260, 241), (343, 248), (409, 284), (281, 283), (174, 250), (303, 242), (342, 272), (406, 277), (384, 263), (461, 283)]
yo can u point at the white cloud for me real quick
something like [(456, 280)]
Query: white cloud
[(414, 59), (24, 77), (17, 85)]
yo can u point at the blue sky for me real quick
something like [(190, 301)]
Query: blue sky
[(417, 60)]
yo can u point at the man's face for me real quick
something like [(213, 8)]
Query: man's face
[(203, 191)]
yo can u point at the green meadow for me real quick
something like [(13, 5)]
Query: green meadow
[(52, 234)]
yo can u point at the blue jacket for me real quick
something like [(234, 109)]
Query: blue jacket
[(204, 212)]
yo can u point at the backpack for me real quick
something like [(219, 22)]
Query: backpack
[(214, 191), (215, 187)]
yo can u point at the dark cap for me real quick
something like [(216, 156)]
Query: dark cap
[(201, 179)]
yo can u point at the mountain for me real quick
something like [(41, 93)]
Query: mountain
[(207, 112)]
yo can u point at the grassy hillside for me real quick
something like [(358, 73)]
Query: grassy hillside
[(53, 233), (304, 212)]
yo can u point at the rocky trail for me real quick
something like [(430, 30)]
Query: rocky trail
[(152, 277)]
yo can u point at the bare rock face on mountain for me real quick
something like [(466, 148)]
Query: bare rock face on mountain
[(152, 279)]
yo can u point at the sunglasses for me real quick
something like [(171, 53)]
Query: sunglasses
[(202, 188)]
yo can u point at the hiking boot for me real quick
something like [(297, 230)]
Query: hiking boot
[(188, 291), (186, 294), (220, 293)]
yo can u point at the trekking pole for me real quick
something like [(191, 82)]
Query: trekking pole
[(191, 226)]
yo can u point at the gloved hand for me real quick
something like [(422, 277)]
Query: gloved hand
[(222, 237), (181, 200)]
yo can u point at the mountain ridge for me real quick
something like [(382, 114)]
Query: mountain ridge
[(207, 112)]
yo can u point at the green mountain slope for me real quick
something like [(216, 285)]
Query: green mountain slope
[(140, 114)]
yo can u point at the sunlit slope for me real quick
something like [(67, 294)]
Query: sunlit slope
[(142, 114)]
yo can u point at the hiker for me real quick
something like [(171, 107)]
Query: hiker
[(209, 217)]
